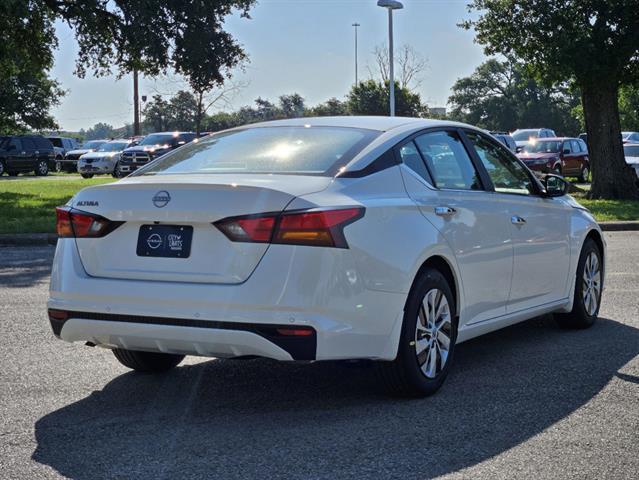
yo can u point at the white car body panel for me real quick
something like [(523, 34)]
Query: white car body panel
[(353, 297)]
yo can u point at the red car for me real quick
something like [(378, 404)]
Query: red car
[(563, 156)]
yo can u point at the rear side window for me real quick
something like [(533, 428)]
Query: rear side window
[(575, 146), (413, 160), (42, 143), (448, 161), (567, 148), (291, 149), (28, 145), (15, 144), (506, 173)]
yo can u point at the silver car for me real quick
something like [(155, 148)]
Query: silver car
[(104, 160)]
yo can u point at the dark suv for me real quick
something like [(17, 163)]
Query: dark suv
[(152, 147), (25, 153)]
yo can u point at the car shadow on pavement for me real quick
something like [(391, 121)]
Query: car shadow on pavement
[(263, 419), (25, 267)]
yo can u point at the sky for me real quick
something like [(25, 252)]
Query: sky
[(302, 46)]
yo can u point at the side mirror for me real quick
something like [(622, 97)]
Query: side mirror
[(555, 186)]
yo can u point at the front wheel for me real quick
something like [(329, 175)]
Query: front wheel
[(86, 175), (2, 168), (42, 168), (427, 341), (148, 362), (117, 171), (588, 288), (58, 166)]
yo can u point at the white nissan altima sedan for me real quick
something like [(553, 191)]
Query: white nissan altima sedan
[(390, 239)]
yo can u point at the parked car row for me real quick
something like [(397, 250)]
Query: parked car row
[(119, 157)]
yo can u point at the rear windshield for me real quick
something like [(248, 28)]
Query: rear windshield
[(543, 146), (160, 139), (304, 149), (521, 135), (93, 144), (113, 146)]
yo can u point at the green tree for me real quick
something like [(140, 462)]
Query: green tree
[(99, 131), (372, 98), (292, 106), (593, 42), (120, 36), (157, 115), (501, 95), (27, 93), (183, 108), (629, 107), (331, 107)]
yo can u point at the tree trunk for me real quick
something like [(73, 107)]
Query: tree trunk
[(612, 178)]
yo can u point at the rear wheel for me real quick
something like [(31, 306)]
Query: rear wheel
[(58, 166), (86, 175), (2, 168), (427, 340), (42, 168), (588, 288), (584, 174), (149, 362)]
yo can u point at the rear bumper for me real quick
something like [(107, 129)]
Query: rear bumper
[(186, 336), (315, 288)]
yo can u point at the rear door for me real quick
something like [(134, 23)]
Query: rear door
[(15, 155), (539, 228), (442, 179), (30, 152), (569, 160)]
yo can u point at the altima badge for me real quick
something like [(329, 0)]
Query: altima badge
[(161, 199)]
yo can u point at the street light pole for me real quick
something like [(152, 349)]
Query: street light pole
[(356, 25), (391, 5)]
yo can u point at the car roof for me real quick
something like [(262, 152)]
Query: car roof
[(167, 133), (378, 123), (556, 139)]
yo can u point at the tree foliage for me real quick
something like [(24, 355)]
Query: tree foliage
[(502, 96), (372, 98), (593, 42), (27, 39)]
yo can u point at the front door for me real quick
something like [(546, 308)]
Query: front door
[(539, 229)]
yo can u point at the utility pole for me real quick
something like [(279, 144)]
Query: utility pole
[(391, 5), (136, 104), (356, 25)]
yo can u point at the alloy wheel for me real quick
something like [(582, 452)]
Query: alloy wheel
[(591, 290), (433, 333), (43, 168), (58, 167)]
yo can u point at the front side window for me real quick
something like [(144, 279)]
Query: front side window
[(506, 173), (567, 149), (28, 144), (296, 149), (448, 161)]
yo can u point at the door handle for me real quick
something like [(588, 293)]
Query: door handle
[(517, 220), (445, 211)]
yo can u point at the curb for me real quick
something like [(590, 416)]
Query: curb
[(630, 226), (27, 239)]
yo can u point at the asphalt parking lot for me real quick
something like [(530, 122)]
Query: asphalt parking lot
[(531, 401)]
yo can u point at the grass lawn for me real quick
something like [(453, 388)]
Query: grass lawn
[(27, 206), (608, 210)]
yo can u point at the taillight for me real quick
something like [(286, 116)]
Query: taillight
[(72, 223), (319, 228)]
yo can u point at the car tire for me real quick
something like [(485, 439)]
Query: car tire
[(86, 175), (584, 174), (58, 166), (41, 168), (12, 173), (147, 362), (588, 289), (3, 169), (557, 170), (117, 173), (417, 371)]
